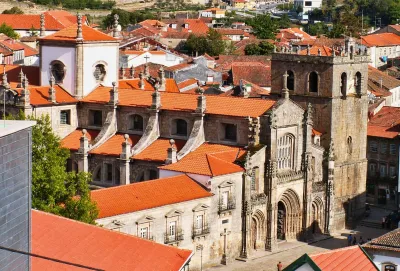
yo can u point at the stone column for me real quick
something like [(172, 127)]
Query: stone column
[(246, 207), (124, 161), (82, 154), (171, 156), (330, 194)]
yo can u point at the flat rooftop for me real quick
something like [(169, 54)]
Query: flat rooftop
[(12, 126)]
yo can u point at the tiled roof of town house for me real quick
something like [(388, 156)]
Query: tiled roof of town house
[(224, 62), (170, 85), (153, 70), (389, 241), (178, 67), (29, 51), (209, 160), (196, 26), (113, 146), (175, 35), (395, 26), (381, 40), (133, 52), (386, 123), (186, 83), (92, 246), (254, 72), (39, 96), (12, 44), (72, 141), (325, 51), (256, 91), (157, 151), (32, 73), (184, 102), (146, 195), (231, 31), (144, 31), (377, 90), (69, 35), (293, 33), (378, 77), (350, 258)]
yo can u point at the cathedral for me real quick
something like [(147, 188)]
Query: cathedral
[(285, 167)]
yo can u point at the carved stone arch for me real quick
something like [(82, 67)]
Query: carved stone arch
[(99, 71), (291, 80), (317, 215), (290, 216), (258, 229), (177, 126), (58, 70), (343, 84), (358, 82)]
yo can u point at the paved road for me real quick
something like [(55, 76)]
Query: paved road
[(267, 262)]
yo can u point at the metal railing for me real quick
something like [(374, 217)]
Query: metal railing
[(168, 239), (226, 206), (200, 231)]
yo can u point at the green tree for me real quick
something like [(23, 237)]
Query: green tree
[(317, 29), (54, 189), (284, 21), (196, 45), (262, 48), (299, 9), (337, 31), (33, 32), (9, 31), (215, 44), (263, 26), (13, 10)]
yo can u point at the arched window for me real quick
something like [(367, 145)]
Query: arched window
[(57, 69), (285, 152), (343, 84), (313, 82), (136, 122), (99, 72), (179, 127), (351, 52), (255, 178), (97, 175), (349, 145), (290, 80), (357, 83)]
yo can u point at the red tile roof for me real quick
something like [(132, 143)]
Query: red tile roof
[(196, 26), (381, 40), (225, 61), (231, 31), (72, 141), (209, 160), (146, 195), (377, 77), (184, 102), (39, 95), (170, 85), (32, 73), (389, 241), (386, 123), (113, 146), (254, 72), (79, 243), (178, 67), (157, 151), (186, 83), (349, 258), (325, 51), (293, 33), (69, 35)]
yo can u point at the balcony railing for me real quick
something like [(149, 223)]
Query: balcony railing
[(200, 231), (168, 239), (226, 206)]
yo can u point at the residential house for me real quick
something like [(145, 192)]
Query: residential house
[(233, 34), (254, 72), (349, 258), (383, 155), (213, 13), (132, 58), (394, 28), (382, 47), (294, 35), (308, 6), (381, 84), (384, 251)]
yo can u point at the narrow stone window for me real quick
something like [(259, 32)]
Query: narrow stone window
[(230, 132), (285, 152), (136, 122), (65, 117), (96, 118), (349, 145), (290, 80), (179, 127), (313, 82), (109, 172), (357, 83), (343, 84)]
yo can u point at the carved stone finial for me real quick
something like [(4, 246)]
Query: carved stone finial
[(331, 152), (25, 82), (126, 137), (308, 114), (21, 78), (308, 49), (201, 101), (171, 153), (84, 132), (285, 90), (141, 80), (333, 51), (79, 35), (247, 163), (42, 26), (116, 32), (52, 90), (5, 81), (172, 143), (146, 70), (366, 51), (114, 94), (156, 98), (161, 79), (25, 93)]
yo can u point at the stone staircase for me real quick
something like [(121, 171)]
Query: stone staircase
[(371, 223)]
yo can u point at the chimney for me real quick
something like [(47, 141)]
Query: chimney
[(201, 101), (52, 90), (156, 98), (42, 28), (171, 157), (113, 94), (79, 29)]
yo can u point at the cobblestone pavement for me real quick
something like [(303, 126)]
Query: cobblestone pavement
[(265, 261)]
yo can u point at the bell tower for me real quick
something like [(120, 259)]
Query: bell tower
[(334, 81), (79, 58)]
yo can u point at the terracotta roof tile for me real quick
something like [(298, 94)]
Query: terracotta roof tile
[(389, 241), (184, 102), (76, 242), (170, 85), (113, 146), (231, 31), (32, 73), (386, 123), (157, 151), (178, 67), (325, 51), (225, 61), (69, 35), (72, 141), (381, 40), (40, 95), (209, 160), (293, 33), (377, 77), (146, 195), (196, 26), (256, 90), (186, 83), (255, 72), (349, 258)]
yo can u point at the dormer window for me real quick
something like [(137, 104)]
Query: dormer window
[(136, 122), (230, 132), (179, 127)]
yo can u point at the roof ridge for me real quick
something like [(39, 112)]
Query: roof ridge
[(335, 250)]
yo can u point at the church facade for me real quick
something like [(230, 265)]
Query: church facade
[(281, 168)]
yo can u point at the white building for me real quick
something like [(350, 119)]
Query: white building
[(129, 58), (382, 47), (308, 6)]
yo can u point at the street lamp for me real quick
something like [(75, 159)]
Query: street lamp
[(200, 247)]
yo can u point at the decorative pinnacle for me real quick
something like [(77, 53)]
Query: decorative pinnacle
[(25, 82), (126, 137), (285, 90), (79, 30), (172, 143), (331, 152), (42, 26), (116, 33), (52, 80), (308, 49), (84, 132)]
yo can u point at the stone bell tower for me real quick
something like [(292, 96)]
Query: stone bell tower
[(334, 82)]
